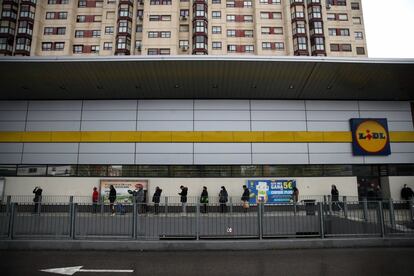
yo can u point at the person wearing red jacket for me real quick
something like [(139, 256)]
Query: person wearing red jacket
[(95, 199)]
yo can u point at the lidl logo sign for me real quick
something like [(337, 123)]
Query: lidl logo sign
[(370, 137)]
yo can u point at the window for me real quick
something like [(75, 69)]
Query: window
[(81, 18), (184, 13), (152, 34), (138, 45), (184, 28), (46, 46), (342, 17), (231, 33), (355, 5), (278, 30), (183, 44), (360, 50), (96, 33), (48, 30), (139, 28), (248, 18), (248, 33), (216, 30), (95, 49), (247, 4), (107, 46), (62, 15), (77, 49), (165, 51), (317, 28), (216, 14), (334, 47), (356, 20), (231, 48), (110, 15), (279, 45), (23, 44), (216, 1), (59, 46), (152, 51), (231, 18), (266, 46), (319, 44), (346, 48), (61, 30), (341, 48), (216, 45), (359, 35), (109, 29), (249, 48), (50, 15), (165, 34)]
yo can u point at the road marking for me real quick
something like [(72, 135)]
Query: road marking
[(73, 269)]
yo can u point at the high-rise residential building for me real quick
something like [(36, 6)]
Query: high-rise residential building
[(182, 27)]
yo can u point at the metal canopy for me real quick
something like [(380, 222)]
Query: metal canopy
[(205, 77)]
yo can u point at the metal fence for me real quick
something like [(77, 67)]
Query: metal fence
[(172, 220)]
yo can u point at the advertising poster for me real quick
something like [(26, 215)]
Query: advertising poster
[(121, 186), (271, 191)]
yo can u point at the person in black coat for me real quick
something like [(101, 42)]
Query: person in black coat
[(245, 198), (183, 197), (335, 198), (223, 198), (156, 199), (112, 198), (204, 199), (37, 199)]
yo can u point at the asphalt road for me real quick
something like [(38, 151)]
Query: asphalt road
[(321, 262)]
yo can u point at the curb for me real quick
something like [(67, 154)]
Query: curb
[(234, 245)]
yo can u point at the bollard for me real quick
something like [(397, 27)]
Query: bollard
[(381, 218), (134, 221), (321, 220), (73, 208), (294, 207), (13, 212), (260, 219), (166, 206), (329, 204), (412, 208), (197, 221), (102, 205), (392, 214), (365, 208), (345, 207), (8, 205)]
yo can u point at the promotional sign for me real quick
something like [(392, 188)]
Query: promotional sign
[(370, 137), (271, 191), (121, 186)]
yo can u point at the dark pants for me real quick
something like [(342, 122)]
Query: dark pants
[(156, 208), (95, 207), (223, 208), (37, 207), (204, 208)]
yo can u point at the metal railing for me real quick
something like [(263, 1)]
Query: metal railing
[(171, 220)]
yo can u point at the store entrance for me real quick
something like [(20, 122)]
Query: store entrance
[(369, 187)]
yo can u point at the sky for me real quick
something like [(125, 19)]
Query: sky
[(389, 28)]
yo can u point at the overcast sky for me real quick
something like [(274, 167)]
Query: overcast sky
[(389, 28)]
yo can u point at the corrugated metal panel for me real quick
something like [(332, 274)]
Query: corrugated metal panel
[(205, 78)]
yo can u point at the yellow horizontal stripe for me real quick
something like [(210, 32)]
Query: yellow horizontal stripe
[(190, 136)]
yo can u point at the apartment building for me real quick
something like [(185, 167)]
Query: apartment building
[(182, 27)]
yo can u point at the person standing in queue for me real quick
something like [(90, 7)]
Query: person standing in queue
[(95, 199), (156, 199), (112, 198), (183, 198), (204, 199), (223, 198), (37, 199), (245, 198), (335, 198)]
